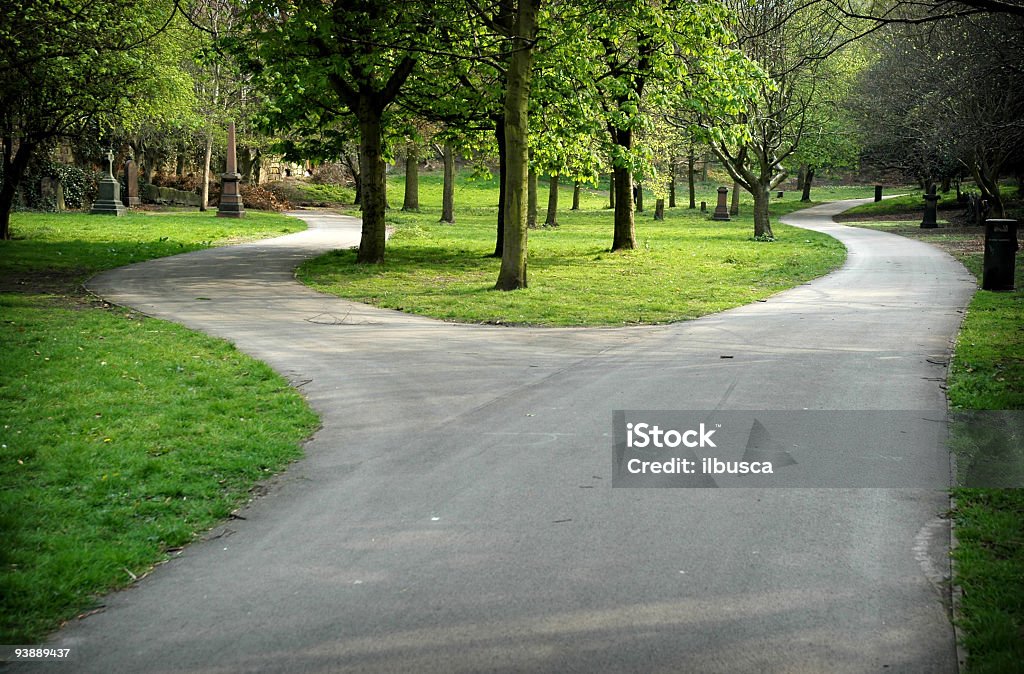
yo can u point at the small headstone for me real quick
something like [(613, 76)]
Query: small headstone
[(47, 189), (878, 193), (722, 209), (779, 195), (703, 207), (108, 199), (59, 197), (131, 181)]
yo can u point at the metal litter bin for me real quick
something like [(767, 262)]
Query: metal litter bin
[(1000, 254)]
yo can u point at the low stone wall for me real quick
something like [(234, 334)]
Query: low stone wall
[(168, 195)]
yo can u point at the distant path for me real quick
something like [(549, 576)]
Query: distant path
[(454, 513)]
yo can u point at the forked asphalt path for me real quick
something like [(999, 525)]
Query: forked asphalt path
[(455, 511)]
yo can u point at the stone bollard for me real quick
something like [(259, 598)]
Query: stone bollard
[(722, 209)]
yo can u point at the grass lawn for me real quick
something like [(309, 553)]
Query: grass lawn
[(684, 267), (302, 192), (122, 437), (987, 373)]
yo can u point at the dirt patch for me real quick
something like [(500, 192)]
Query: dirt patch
[(43, 282), (957, 240), (898, 217)]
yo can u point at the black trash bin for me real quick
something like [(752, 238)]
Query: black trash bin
[(1000, 251)]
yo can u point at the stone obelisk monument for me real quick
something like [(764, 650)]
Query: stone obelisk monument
[(230, 199)]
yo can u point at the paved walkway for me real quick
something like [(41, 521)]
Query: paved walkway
[(454, 513)]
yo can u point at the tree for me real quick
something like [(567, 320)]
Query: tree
[(512, 274), (957, 87), (789, 42), (342, 59), (68, 67), (649, 58)]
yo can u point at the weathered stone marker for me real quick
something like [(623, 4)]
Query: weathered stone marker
[(722, 209), (1000, 254), (131, 181), (878, 193), (779, 195), (59, 197), (47, 189), (108, 200), (230, 205), (703, 207), (931, 209)]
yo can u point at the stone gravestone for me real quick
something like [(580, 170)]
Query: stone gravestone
[(59, 197), (230, 205), (878, 193), (131, 182), (48, 191), (722, 209), (108, 200), (931, 209)]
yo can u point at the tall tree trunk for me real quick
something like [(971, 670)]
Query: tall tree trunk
[(690, 179), (575, 197), (659, 209), (734, 209), (411, 202), (625, 233), (801, 176), (762, 224), (448, 191), (15, 164), (205, 190), (499, 135), (551, 220), (808, 179), (531, 199), (671, 186), (704, 170), (179, 167), (611, 190), (372, 179), (987, 179), (639, 198), (517, 102)]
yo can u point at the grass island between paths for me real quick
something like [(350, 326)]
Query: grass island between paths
[(684, 267)]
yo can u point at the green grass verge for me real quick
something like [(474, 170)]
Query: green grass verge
[(905, 203), (987, 373), (122, 437), (684, 267)]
